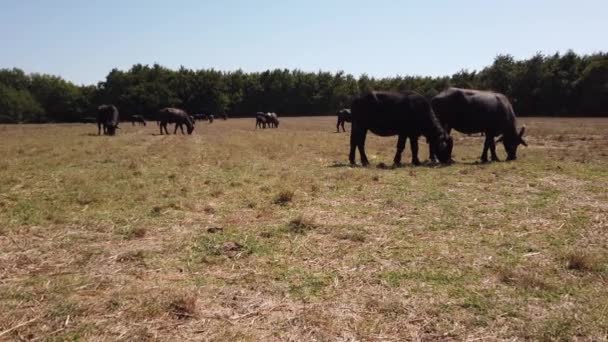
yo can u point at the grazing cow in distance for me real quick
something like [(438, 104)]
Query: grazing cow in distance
[(260, 120), (272, 120), (139, 119), (476, 111), (405, 114), (177, 116), (108, 118), (199, 117), (344, 115)]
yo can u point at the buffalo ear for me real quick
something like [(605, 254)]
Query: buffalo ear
[(523, 142), (522, 131)]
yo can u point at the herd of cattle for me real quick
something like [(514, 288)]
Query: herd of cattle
[(266, 119), (108, 119), (405, 114)]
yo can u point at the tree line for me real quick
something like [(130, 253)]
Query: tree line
[(543, 85)]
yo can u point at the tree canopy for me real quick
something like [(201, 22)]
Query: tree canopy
[(543, 85)]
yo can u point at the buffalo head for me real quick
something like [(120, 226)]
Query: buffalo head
[(112, 129), (512, 142), (443, 147)]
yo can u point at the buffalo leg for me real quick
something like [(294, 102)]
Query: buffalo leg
[(343, 130), (98, 128), (486, 147), (492, 147), (357, 139), (432, 153), (400, 147), (361, 144), (338, 126), (414, 147), (353, 145)]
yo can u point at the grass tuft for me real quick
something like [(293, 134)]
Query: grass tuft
[(284, 197), (300, 225), (183, 307), (583, 262)]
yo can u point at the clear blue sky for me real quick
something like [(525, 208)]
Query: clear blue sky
[(83, 40)]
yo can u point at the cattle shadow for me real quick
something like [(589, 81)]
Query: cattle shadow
[(342, 165), (480, 163), (384, 166)]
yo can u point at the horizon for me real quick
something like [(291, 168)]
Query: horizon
[(82, 43)]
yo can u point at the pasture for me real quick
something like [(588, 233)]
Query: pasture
[(235, 234)]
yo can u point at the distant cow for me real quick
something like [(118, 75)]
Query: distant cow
[(260, 120), (139, 119), (272, 120), (344, 115), (475, 111), (407, 114), (199, 117), (224, 116), (108, 118), (177, 116)]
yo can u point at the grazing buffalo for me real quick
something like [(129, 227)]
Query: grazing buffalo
[(224, 116), (260, 120), (199, 117), (272, 120), (475, 111), (407, 114), (206, 117), (344, 115), (108, 118), (139, 119), (177, 116)]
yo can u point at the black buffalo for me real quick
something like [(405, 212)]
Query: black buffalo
[(199, 117), (272, 120), (486, 112), (177, 116), (260, 120), (139, 119), (108, 118), (406, 114), (344, 115)]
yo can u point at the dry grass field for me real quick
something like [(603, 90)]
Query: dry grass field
[(237, 234)]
